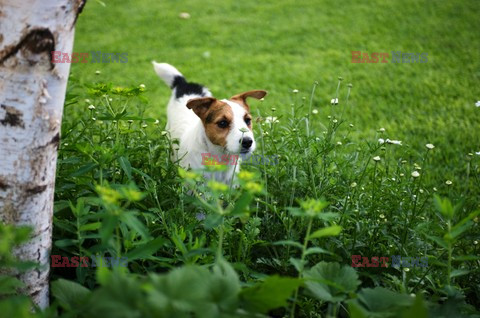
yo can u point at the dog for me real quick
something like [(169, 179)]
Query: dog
[(203, 124)]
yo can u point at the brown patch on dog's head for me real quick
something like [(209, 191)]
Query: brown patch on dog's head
[(242, 97), (216, 116)]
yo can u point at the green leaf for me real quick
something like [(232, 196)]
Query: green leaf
[(317, 250), (126, 166), (133, 222), (333, 230), (297, 263), (356, 310), (242, 204), (290, 243), (65, 242), (272, 293), (437, 240), (69, 294), (84, 169), (9, 285), (463, 225), (145, 250), (331, 282), (91, 226), (384, 301), (459, 272), (444, 206), (418, 310)]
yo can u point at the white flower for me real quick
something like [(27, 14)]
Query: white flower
[(415, 174), (144, 126), (351, 125), (164, 133), (91, 107), (477, 104), (335, 121), (429, 146), (381, 129), (184, 15), (339, 143), (376, 158), (271, 120), (381, 141), (156, 122), (295, 91), (394, 142), (448, 182), (334, 101), (353, 185), (142, 86), (97, 72), (314, 111), (477, 153), (87, 101)]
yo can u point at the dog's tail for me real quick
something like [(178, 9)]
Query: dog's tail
[(167, 73), (177, 82)]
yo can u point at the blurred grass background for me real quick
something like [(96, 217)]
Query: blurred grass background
[(279, 45)]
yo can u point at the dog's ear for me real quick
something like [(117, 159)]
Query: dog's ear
[(258, 94), (200, 105)]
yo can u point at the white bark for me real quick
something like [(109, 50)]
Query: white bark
[(32, 93)]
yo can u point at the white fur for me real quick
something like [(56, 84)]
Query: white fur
[(183, 124)]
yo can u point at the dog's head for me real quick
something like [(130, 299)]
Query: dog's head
[(228, 122)]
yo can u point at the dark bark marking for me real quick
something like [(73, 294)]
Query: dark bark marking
[(37, 41), (78, 8), (36, 189), (54, 141), (3, 184), (13, 117)]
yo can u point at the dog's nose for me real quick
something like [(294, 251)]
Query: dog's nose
[(247, 142)]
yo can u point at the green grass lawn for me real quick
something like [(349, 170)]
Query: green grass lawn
[(280, 45), (335, 192)]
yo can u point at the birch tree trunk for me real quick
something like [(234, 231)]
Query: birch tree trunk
[(32, 93)]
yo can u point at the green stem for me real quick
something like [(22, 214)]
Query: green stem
[(302, 259), (449, 265)]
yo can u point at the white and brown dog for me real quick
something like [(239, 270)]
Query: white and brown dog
[(203, 124)]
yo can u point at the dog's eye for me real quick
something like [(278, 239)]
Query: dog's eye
[(248, 121), (222, 124)]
